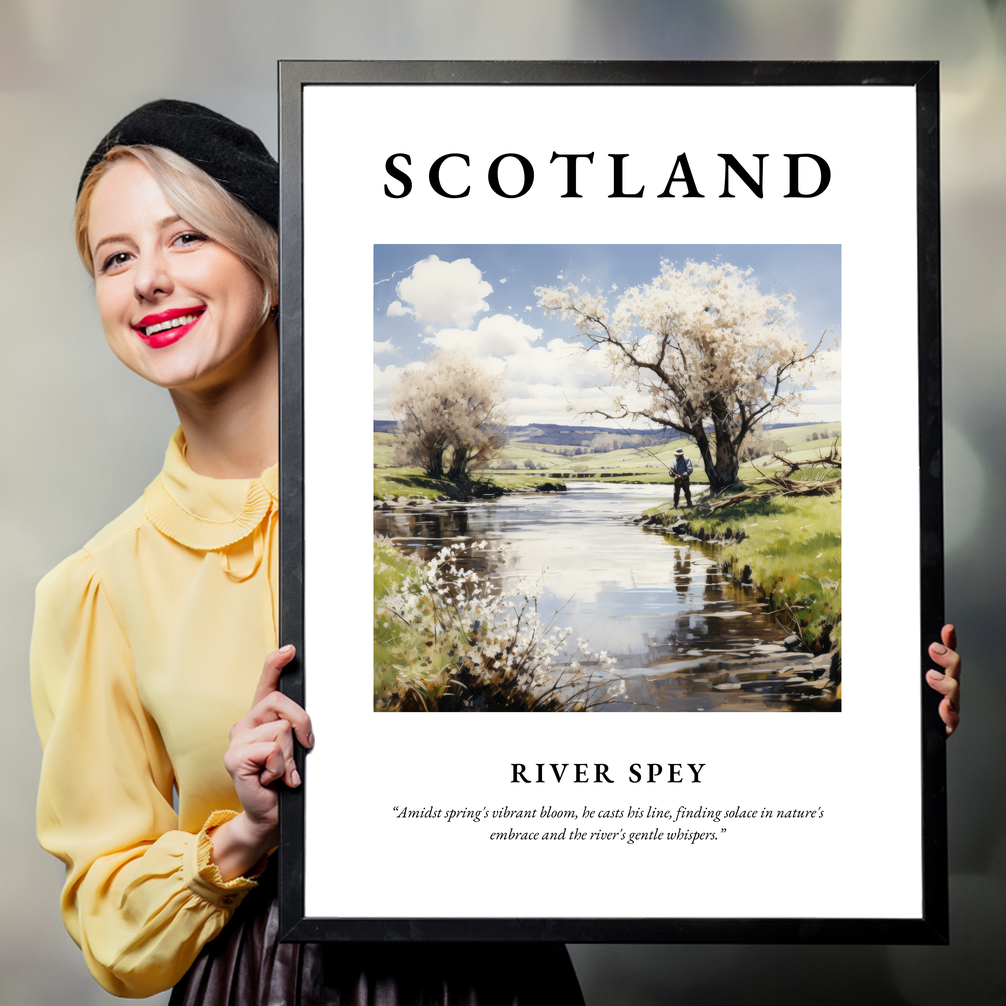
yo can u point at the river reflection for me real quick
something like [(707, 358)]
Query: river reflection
[(659, 606)]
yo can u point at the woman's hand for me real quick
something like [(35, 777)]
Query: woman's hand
[(947, 682), (260, 753)]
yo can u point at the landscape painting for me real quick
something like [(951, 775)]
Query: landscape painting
[(607, 478)]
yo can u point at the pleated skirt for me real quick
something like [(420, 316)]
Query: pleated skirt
[(246, 965)]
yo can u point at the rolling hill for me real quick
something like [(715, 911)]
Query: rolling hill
[(543, 447)]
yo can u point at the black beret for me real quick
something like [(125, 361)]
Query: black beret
[(230, 154)]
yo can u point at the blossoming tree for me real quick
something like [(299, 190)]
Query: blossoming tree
[(699, 350), (452, 414)]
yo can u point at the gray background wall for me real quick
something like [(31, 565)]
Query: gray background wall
[(82, 436)]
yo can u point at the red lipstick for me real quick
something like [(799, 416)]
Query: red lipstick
[(166, 327)]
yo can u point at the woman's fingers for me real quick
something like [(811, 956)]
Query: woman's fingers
[(945, 653), (946, 681), (271, 671), (274, 767), (263, 740), (270, 703), (277, 706), (950, 689), (947, 686), (260, 762), (948, 659), (949, 710), (261, 749), (949, 636)]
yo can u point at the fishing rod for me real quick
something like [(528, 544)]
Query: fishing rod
[(670, 471)]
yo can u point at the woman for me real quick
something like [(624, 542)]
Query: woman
[(149, 643)]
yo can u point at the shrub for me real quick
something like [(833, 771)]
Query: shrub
[(445, 640)]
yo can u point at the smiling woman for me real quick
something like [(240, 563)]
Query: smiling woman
[(154, 667), (158, 279)]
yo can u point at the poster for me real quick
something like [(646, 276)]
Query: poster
[(511, 243)]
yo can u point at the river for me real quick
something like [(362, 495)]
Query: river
[(684, 637)]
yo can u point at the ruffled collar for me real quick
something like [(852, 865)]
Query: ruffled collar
[(203, 513)]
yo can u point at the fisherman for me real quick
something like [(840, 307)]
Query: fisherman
[(681, 470)]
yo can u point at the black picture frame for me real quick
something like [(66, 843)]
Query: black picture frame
[(931, 925)]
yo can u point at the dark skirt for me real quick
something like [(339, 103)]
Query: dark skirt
[(246, 965)]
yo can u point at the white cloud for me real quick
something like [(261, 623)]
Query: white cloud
[(542, 380), (830, 360), (499, 335), (826, 380), (385, 380), (822, 402), (437, 292), (504, 279), (384, 347)]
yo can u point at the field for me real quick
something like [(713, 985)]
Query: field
[(635, 464)]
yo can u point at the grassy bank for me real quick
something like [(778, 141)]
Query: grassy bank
[(788, 548), (413, 484)]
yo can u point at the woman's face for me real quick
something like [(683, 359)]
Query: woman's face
[(177, 308)]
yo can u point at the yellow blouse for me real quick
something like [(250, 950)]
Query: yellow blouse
[(147, 647)]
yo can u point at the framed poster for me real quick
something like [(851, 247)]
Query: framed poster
[(642, 337)]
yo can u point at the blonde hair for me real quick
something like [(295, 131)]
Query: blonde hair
[(199, 200)]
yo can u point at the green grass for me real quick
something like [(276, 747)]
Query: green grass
[(789, 548), (409, 482), (519, 482), (384, 450), (394, 640), (413, 484)]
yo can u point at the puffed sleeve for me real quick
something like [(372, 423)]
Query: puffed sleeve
[(141, 897)]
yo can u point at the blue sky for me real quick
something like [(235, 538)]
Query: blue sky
[(482, 296)]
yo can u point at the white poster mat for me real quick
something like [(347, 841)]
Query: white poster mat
[(862, 858)]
